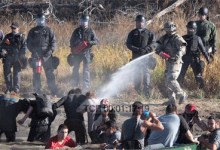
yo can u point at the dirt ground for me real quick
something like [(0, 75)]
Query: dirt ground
[(204, 106)]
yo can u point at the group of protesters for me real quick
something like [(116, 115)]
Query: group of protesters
[(142, 130)]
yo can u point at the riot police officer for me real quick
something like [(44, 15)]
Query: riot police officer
[(81, 42), (192, 56), (206, 30), (41, 43), (13, 49), (142, 41), (175, 46)]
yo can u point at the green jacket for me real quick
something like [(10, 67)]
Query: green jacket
[(206, 30)]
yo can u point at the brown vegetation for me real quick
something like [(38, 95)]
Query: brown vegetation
[(111, 53)]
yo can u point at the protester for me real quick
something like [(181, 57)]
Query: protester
[(112, 136), (10, 107), (74, 120), (89, 106), (104, 114), (212, 140), (134, 128), (40, 124), (185, 135), (171, 122), (191, 115), (61, 140)]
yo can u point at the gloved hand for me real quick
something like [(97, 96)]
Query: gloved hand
[(47, 55), (3, 53), (91, 43), (172, 59), (143, 51)]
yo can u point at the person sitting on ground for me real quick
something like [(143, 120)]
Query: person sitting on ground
[(61, 140), (99, 125), (89, 106), (104, 103), (185, 135), (171, 123), (191, 115), (112, 136), (211, 140), (134, 128)]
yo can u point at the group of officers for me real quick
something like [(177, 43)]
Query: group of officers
[(41, 42), (180, 52)]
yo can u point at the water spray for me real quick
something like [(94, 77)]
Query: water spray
[(120, 80)]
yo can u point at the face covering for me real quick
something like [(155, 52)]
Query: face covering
[(41, 21), (84, 23), (190, 32)]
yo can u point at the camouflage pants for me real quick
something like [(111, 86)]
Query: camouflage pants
[(171, 74)]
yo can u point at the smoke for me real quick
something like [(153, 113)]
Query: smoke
[(125, 75)]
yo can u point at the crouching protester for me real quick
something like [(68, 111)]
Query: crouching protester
[(74, 120), (185, 135), (61, 140), (212, 139), (41, 113), (191, 115), (134, 128), (112, 136), (10, 107), (104, 113)]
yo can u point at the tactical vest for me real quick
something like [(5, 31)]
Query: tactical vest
[(84, 34), (204, 31), (192, 44), (171, 44), (72, 102), (13, 42), (140, 38)]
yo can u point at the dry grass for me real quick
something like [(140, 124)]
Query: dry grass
[(112, 53)]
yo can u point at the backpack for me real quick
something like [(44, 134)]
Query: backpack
[(44, 106)]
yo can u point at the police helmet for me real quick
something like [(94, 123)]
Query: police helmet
[(169, 26), (191, 25), (203, 11), (84, 17), (70, 59), (140, 18), (40, 15), (55, 61)]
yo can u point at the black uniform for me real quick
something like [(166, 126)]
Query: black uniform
[(192, 57), (74, 120), (8, 122), (85, 56), (141, 42), (15, 46), (39, 126), (41, 43)]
